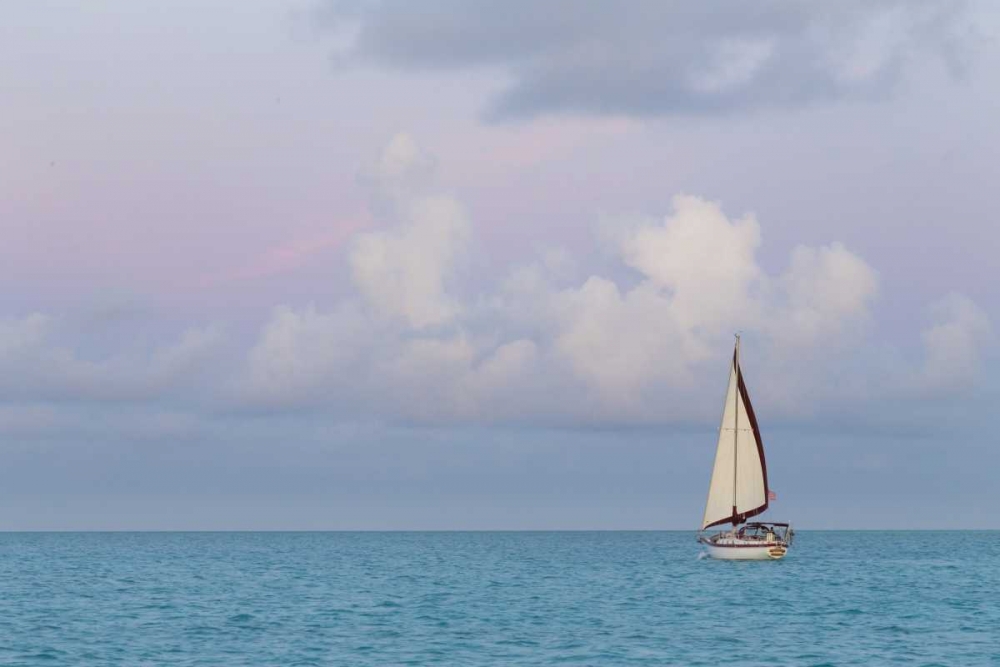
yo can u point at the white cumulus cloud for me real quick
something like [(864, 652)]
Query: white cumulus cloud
[(540, 346), (551, 341), (402, 272)]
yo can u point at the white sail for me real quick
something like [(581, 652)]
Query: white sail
[(738, 489)]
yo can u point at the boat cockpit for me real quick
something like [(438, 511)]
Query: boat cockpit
[(765, 532), (753, 534)]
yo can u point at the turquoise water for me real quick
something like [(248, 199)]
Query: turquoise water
[(602, 598)]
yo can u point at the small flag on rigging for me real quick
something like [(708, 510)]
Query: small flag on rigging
[(771, 495)]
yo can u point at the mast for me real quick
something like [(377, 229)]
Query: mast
[(736, 422)]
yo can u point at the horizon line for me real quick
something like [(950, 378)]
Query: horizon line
[(457, 530)]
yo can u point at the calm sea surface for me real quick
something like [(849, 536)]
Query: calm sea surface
[(840, 598)]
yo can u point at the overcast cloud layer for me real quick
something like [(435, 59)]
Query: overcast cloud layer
[(661, 57)]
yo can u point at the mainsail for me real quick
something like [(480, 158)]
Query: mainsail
[(738, 489)]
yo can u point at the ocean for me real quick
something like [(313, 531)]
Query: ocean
[(495, 598)]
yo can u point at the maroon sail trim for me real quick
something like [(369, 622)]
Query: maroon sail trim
[(745, 395)]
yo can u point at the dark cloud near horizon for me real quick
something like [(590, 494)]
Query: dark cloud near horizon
[(660, 57)]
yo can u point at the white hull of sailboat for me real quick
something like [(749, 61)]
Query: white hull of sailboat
[(747, 552)]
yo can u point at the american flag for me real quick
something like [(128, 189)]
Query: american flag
[(771, 495)]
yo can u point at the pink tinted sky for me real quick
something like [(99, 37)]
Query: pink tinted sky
[(146, 154)]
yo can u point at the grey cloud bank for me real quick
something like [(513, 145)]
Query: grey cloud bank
[(655, 57)]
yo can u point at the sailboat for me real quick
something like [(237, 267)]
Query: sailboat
[(738, 490)]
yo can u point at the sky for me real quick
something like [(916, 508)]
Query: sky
[(312, 264)]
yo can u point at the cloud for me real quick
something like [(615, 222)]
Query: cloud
[(401, 170), (617, 343), (551, 344), (826, 292), (301, 352), (660, 57), (642, 346), (34, 365), (402, 272), (954, 344), (646, 340), (699, 251)]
